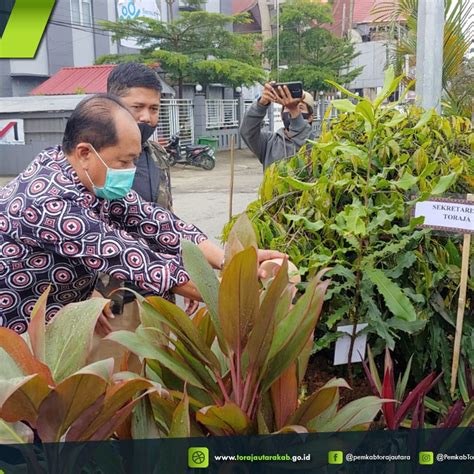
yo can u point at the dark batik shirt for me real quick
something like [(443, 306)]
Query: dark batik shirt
[(54, 231)]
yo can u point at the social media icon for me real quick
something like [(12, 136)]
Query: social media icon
[(198, 457), (426, 458), (335, 457)]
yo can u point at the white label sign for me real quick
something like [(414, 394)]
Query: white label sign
[(341, 352), (452, 215), (131, 9), (12, 132)]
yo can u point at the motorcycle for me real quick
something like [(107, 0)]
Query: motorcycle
[(201, 156)]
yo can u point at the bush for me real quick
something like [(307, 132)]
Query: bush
[(345, 202)]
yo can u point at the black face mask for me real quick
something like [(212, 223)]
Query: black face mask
[(286, 118), (146, 131)]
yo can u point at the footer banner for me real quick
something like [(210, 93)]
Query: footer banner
[(410, 451)]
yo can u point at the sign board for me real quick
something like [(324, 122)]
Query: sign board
[(450, 215), (12, 132), (341, 352), (131, 9)]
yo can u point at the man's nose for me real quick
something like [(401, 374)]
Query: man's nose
[(145, 117)]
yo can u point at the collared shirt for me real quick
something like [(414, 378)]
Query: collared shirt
[(54, 231)]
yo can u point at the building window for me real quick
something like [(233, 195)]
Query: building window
[(81, 12)]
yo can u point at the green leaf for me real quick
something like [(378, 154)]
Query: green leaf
[(307, 224), (396, 301), (140, 346), (229, 418), (343, 90), (444, 183), (398, 118), (425, 118), (373, 370), (69, 336), (181, 425), (390, 85), (406, 182), (318, 402), (300, 185), (344, 105), (190, 336), (15, 433), (205, 279), (401, 387), (356, 413), (365, 109)]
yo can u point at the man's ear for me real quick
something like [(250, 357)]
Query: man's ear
[(83, 154)]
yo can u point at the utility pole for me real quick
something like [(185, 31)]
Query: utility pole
[(429, 53), (170, 4), (266, 24)]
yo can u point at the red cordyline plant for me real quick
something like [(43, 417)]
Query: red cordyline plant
[(46, 389), (396, 412), (236, 368)]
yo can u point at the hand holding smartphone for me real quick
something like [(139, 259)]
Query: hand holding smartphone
[(295, 88)]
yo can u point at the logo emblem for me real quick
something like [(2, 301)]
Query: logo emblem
[(198, 457), (22, 25)]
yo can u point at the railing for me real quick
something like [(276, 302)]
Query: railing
[(222, 113), (176, 117)]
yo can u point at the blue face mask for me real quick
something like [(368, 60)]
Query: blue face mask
[(117, 182)]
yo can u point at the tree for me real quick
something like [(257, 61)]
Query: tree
[(197, 47), (458, 36), (310, 53), (460, 94)]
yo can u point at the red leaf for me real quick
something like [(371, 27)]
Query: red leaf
[(371, 380), (412, 399), (37, 326), (19, 351), (285, 396), (454, 416), (388, 391)]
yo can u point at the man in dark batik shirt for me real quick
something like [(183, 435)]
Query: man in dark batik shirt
[(72, 214)]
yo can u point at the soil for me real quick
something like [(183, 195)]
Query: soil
[(320, 371)]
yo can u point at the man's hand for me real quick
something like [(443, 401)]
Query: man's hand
[(191, 306), (282, 96), (268, 95), (264, 255), (103, 327)]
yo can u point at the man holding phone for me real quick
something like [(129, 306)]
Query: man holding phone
[(297, 116)]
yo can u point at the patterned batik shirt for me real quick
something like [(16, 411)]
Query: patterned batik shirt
[(54, 231)]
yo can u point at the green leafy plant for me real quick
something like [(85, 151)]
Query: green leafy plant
[(236, 368), (345, 202)]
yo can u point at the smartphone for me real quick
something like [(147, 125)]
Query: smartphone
[(295, 88)]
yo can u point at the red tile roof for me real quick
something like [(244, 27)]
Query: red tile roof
[(239, 6), (76, 80), (363, 11)]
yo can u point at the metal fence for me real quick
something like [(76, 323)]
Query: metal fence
[(176, 117), (222, 113)]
